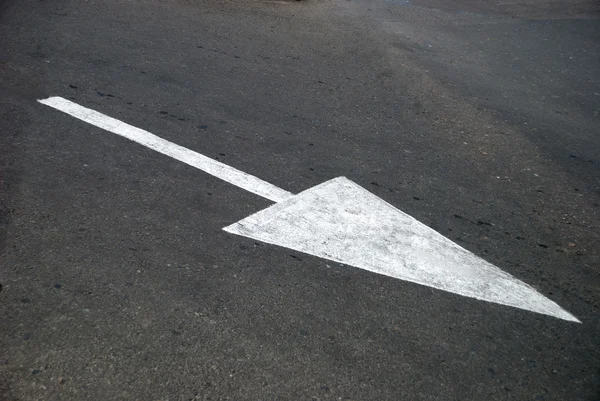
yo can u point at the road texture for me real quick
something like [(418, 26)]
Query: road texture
[(480, 119)]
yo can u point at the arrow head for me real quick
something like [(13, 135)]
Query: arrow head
[(341, 221)]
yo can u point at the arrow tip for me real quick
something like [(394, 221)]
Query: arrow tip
[(341, 221)]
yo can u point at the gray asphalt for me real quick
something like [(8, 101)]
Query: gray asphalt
[(480, 119)]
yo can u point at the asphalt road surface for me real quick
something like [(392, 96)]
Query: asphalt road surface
[(479, 119)]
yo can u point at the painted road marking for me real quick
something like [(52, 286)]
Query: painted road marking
[(343, 222), (187, 156)]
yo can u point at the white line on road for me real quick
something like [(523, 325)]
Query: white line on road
[(231, 175)]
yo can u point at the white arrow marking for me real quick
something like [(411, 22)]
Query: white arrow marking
[(341, 221)]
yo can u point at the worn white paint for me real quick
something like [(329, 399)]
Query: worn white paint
[(206, 164), (340, 221)]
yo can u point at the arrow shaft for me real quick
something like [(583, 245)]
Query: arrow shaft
[(213, 167)]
